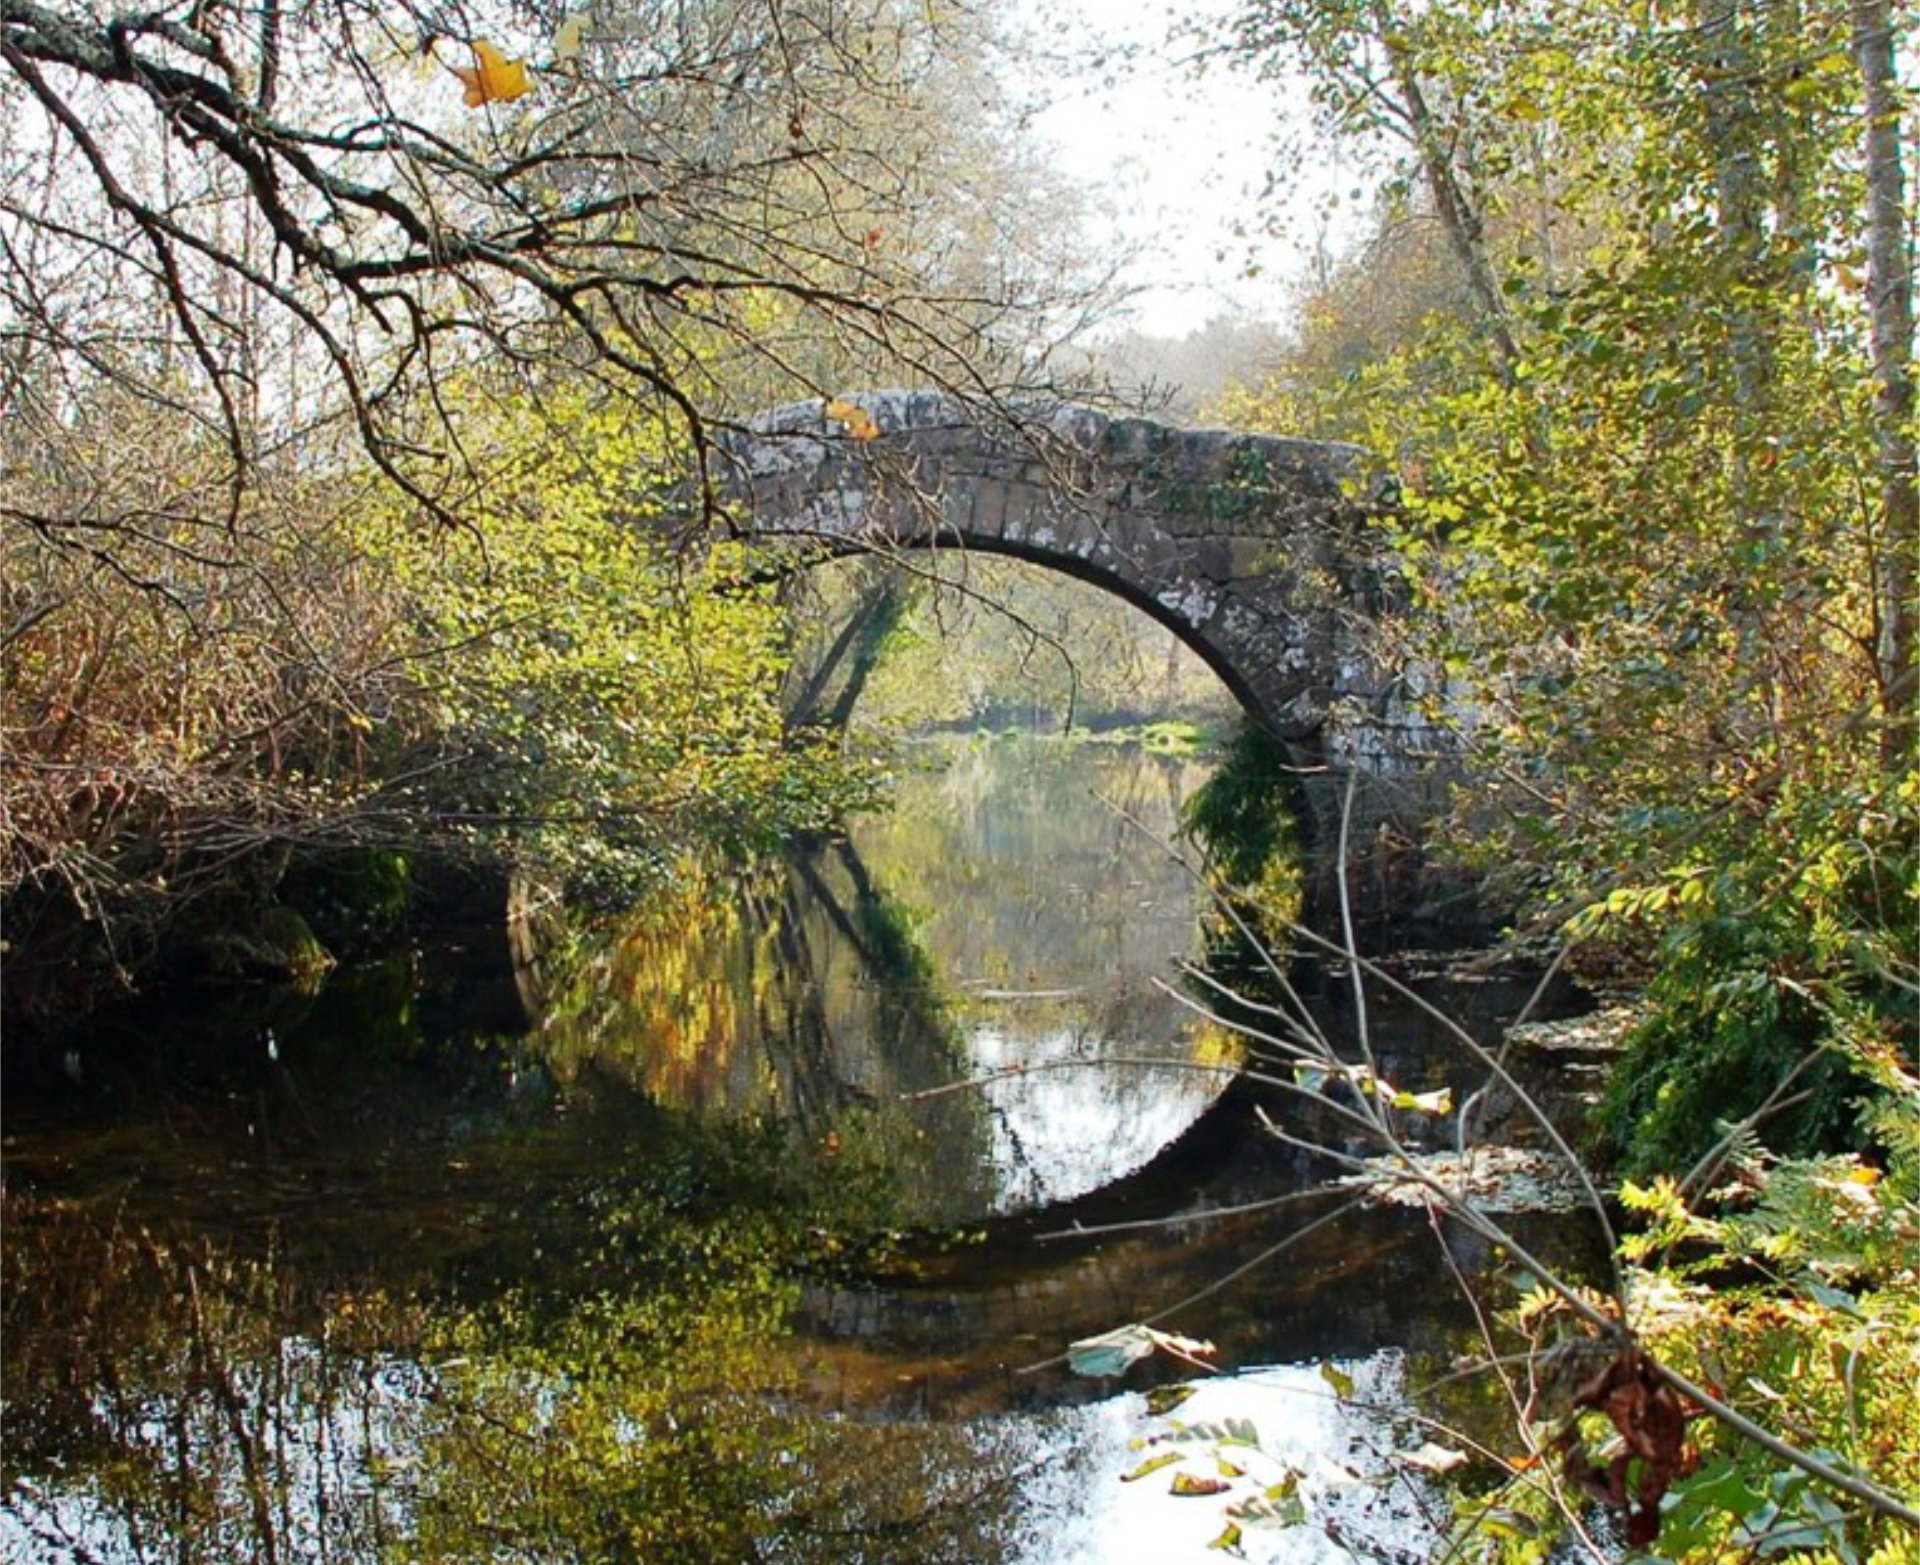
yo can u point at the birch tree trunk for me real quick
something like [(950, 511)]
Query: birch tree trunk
[(1890, 296)]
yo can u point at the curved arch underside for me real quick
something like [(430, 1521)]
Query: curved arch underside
[(1077, 569)]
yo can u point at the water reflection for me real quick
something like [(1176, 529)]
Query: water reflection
[(169, 1399), (377, 1274), (1007, 919)]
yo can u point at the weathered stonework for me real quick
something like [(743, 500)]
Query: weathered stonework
[(1260, 553)]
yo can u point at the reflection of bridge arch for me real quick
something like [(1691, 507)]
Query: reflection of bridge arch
[(1255, 551)]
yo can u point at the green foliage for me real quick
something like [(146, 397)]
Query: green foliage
[(1821, 1336), (1646, 577), (614, 697), (1765, 962), (353, 896), (1243, 817)]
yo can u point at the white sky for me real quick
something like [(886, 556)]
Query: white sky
[(1174, 159)]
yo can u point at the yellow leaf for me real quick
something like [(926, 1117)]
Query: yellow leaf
[(494, 78), (1152, 1464), (569, 36), (1437, 1102)]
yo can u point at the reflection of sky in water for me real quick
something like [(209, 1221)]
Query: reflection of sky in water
[(1049, 911), (1356, 1501), (343, 1473), (1060, 1133)]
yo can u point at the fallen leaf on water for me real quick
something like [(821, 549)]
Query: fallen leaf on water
[(1435, 1459), (1115, 1352), (1164, 1399), (1338, 1378), (1229, 1539), (1280, 1506), (493, 78), (1151, 1465)]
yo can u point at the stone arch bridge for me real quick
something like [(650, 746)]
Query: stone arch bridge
[(1259, 553)]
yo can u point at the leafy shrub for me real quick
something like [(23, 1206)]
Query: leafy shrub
[(1789, 955)]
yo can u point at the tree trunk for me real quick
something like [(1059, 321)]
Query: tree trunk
[(1735, 138), (1890, 295), (1454, 205), (859, 639)]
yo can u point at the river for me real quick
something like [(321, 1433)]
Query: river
[(741, 1226)]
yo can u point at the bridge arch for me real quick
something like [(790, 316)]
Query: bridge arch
[(1260, 553)]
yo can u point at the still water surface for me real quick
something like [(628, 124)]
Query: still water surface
[(642, 1243)]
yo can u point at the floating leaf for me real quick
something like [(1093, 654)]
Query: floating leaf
[(494, 78), (1111, 1353), (1280, 1506), (1151, 1465), (1187, 1484), (1229, 1539), (1115, 1352), (1164, 1399), (1435, 1459), (1338, 1378)]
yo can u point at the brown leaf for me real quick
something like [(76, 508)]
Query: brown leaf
[(1652, 1424)]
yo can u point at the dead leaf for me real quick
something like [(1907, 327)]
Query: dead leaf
[(1652, 1424), (1187, 1484), (1115, 1352), (1151, 1465), (1164, 1399), (855, 419), (1435, 1459), (1229, 1540), (494, 78)]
